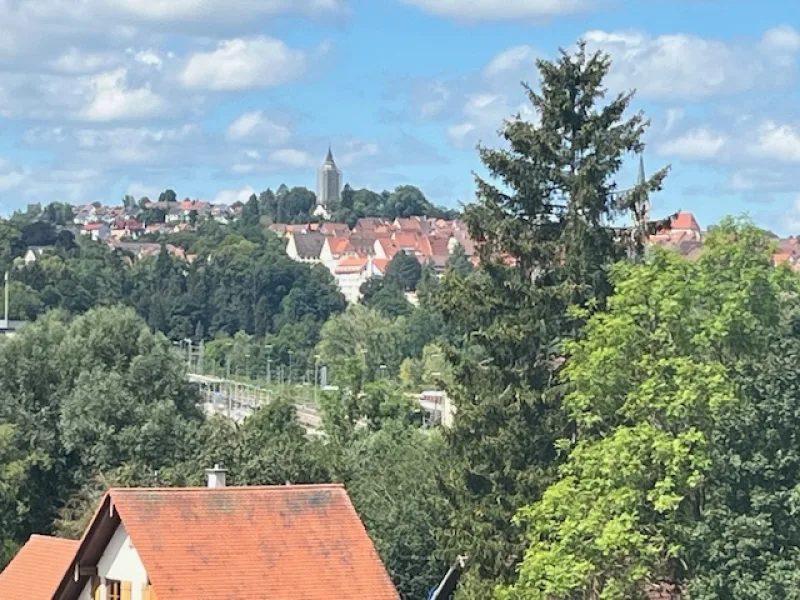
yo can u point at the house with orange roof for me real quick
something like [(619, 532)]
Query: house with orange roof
[(351, 272), (333, 249), (209, 543)]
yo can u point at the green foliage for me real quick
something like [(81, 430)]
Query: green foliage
[(88, 395), (405, 270), (458, 262), (543, 247), (391, 477), (650, 382)]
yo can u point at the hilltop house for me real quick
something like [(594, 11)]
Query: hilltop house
[(215, 543)]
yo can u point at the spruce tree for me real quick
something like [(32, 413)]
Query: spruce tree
[(544, 244)]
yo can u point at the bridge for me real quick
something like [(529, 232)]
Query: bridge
[(238, 400)]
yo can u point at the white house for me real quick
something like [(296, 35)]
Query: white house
[(351, 272)]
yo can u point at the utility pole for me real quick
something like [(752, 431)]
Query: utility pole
[(291, 355), (269, 363)]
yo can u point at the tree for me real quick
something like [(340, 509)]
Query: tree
[(405, 270), (16, 467), (651, 381), (543, 247), (458, 262), (250, 213), (391, 476), (91, 394), (168, 196), (386, 296)]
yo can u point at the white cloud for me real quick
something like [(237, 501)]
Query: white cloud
[(777, 142), (436, 95), (162, 11), (148, 58), (696, 144), (291, 157), (688, 67), (356, 152), (120, 145), (242, 64), (511, 60), (255, 125), (232, 196), (483, 115), (782, 38), (140, 190), (114, 100), (492, 10), (75, 61), (11, 180)]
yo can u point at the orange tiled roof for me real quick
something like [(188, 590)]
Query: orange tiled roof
[(380, 264), (351, 264), (38, 568), (339, 245), (685, 220), (295, 541)]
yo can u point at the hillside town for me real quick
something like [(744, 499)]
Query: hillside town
[(471, 300)]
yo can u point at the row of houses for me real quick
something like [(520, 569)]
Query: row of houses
[(128, 223), (685, 236), (353, 256)]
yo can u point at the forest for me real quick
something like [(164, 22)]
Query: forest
[(625, 417)]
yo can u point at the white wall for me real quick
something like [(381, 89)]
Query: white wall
[(120, 562)]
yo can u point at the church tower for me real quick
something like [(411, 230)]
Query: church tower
[(329, 182)]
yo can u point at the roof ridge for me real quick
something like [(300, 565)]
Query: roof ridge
[(238, 488)]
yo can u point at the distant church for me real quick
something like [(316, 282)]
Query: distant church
[(329, 186)]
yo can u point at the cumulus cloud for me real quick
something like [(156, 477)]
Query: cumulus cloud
[(291, 157), (241, 64), (257, 126), (114, 99), (233, 196), (688, 67), (696, 144), (512, 60), (777, 141), (491, 10)]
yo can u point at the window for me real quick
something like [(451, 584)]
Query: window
[(114, 589)]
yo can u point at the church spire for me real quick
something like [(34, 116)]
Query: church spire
[(329, 158)]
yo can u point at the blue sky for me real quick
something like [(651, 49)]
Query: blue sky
[(218, 98)]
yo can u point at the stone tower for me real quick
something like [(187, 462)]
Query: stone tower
[(329, 182)]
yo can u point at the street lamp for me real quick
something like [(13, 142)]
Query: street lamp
[(383, 369), (246, 363), (291, 355)]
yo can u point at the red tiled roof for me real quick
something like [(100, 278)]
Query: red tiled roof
[(351, 264), (685, 220), (781, 257), (380, 264), (38, 568), (339, 245), (282, 542), (93, 226)]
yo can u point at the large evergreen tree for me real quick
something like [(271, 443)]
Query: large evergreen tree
[(544, 246)]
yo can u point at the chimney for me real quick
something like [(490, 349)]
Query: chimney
[(216, 476)]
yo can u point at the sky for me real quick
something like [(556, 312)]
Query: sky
[(217, 99)]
